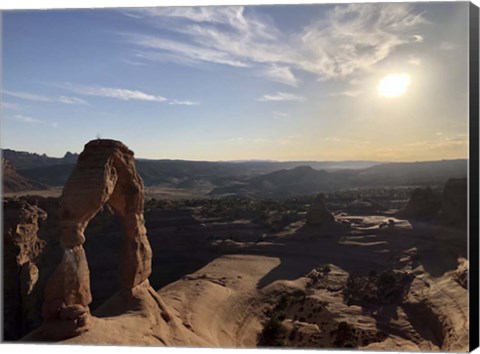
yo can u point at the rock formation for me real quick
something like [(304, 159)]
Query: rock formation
[(455, 203), (21, 249), (460, 275), (318, 215), (423, 204), (14, 182), (105, 173)]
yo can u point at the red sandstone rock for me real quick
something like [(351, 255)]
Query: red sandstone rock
[(21, 250), (73, 312), (71, 281), (51, 309), (105, 174)]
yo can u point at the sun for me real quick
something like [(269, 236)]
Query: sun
[(393, 85)]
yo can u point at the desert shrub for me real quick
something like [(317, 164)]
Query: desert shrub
[(298, 293), (272, 333), (375, 289), (345, 336), (385, 280), (282, 304), (326, 269), (293, 334), (359, 290)]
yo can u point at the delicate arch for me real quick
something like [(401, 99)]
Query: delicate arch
[(105, 173)]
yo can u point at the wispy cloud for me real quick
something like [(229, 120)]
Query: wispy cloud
[(24, 119), (40, 98), (357, 36), (71, 100), (181, 52), (347, 93), (281, 74), (441, 142), (418, 38), (124, 94), (116, 93), (30, 120), (281, 96), (10, 105), (183, 103), (349, 39), (278, 114)]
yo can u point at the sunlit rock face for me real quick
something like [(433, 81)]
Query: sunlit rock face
[(105, 173)]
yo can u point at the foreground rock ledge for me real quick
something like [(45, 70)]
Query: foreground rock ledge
[(105, 174)]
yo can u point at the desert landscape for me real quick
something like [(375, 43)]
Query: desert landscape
[(288, 176), (367, 267)]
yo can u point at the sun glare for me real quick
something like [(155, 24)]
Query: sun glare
[(394, 85)]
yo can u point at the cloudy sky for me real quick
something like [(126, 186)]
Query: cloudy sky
[(301, 82)]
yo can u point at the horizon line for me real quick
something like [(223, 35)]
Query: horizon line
[(252, 159)]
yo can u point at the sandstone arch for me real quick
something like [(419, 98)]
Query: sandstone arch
[(104, 174)]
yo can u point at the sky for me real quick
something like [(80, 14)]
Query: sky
[(283, 82)]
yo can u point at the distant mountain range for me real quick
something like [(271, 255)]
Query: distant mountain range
[(254, 177), (26, 160), (306, 180)]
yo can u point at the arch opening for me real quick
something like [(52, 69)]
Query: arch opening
[(105, 174)]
